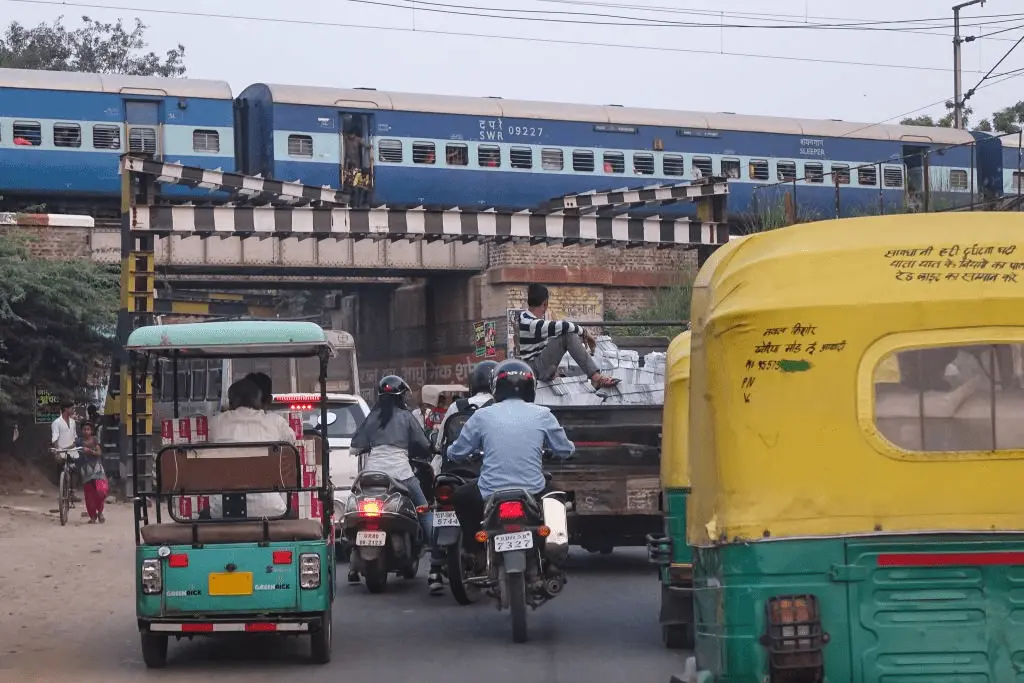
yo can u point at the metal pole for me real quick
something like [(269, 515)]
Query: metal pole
[(958, 105)]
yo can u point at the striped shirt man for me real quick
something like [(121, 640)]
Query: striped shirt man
[(535, 332)]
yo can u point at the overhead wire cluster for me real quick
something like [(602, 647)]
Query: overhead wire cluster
[(618, 14)]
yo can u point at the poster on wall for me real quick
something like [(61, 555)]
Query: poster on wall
[(512, 330), (484, 334), (47, 406)]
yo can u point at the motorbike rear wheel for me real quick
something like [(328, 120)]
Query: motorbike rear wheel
[(376, 575), (515, 584), (464, 594)]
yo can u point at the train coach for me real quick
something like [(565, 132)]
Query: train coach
[(61, 133), (490, 152)]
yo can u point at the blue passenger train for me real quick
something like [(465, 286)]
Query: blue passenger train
[(471, 152)]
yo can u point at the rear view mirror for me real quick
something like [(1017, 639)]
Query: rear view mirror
[(331, 419)]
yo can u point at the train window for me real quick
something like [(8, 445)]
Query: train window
[(106, 137), (67, 135), (759, 169), (208, 141), (840, 174), (892, 176), (390, 151), (457, 155), (214, 379), (583, 160), (958, 179), (300, 146), (614, 162), (28, 133), (488, 156), (703, 164), (521, 157), (867, 175), (731, 168), (198, 370), (142, 141), (785, 171), (673, 164), (423, 153), (643, 164), (1018, 181), (814, 173), (551, 159)]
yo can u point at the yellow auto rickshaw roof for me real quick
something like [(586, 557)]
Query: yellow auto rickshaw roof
[(677, 358), (675, 415), (792, 328)]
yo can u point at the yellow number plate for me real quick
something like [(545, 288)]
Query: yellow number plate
[(231, 583)]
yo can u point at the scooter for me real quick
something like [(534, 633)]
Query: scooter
[(383, 529)]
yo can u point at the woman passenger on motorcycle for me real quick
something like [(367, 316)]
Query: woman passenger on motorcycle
[(389, 433)]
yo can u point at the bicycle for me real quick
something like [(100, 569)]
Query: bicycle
[(65, 501)]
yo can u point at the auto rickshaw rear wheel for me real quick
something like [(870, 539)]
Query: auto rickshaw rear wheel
[(154, 650), (320, 641)]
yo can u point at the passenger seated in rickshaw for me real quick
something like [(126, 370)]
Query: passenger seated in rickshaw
[(246, 422)]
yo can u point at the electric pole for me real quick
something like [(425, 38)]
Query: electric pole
[(958, 104)]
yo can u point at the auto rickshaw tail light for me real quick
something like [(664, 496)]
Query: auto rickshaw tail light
[(178, 561), (794, 638), (151, 576), (282, 557)]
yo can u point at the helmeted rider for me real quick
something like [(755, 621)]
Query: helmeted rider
[(480, 393), (388, 433), (512, 434)]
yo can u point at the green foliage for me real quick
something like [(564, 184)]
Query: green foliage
[(944, 121), (93, 47), (55, 320), (1008, 119), (668, 303)]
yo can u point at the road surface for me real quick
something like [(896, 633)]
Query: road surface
[(67, 616)]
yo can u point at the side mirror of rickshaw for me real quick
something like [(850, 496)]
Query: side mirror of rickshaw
[(331, 419)]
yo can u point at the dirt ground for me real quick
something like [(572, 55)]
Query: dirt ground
[(61, 588)]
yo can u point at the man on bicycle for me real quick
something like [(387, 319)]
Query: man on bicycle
[(64, 435)]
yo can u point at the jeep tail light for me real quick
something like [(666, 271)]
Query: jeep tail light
[(511, 509), (794, 638)]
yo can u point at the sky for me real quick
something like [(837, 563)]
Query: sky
[(651, 55)]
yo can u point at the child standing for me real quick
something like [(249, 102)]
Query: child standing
[(93, 475)]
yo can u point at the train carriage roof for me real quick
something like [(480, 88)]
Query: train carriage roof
[(33, 79), (524, 109)]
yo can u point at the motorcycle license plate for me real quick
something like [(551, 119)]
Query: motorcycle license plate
[(371, 538), (522, 540), (445, 518)]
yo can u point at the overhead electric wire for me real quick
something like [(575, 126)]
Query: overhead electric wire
[(633, 21), (969, 93), (493, 36)]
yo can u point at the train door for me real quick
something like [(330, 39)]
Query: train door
[(915, 158), (356, 147), (143, 128)]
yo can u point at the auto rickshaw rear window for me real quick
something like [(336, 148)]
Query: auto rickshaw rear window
[(941, 399)]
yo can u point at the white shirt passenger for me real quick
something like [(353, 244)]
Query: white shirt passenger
[(248, 425)]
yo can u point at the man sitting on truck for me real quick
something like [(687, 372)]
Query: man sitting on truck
[(542, 343)]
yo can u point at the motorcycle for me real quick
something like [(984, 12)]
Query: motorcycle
[(526, 541), (383, 529), (458, 567)]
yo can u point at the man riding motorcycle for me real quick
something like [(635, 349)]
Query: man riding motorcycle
[(480, 396), (512, 434)]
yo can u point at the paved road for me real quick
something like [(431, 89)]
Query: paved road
[(602, 629)]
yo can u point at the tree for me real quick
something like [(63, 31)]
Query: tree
[(668, 303), (1008, 119), (943, 122), (56, 319), (94, 47)]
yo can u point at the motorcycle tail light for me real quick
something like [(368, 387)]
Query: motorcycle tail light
[(369, 508), (511, 509), (444, 493)]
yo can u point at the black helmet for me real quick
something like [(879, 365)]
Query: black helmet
[(513, 379), (480, 380), (392, 385)]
